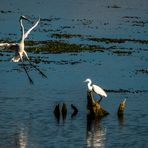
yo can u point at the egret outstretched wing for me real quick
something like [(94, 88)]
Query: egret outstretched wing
[(27, 33), (99, 90), (7, 44)]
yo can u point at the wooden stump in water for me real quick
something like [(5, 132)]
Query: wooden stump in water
[(75, 110), (94, 107), (57, 112), (121, 108), (64, 111)]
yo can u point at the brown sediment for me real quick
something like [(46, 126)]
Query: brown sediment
[(118, 90), (125, 91), (5, 12), (60, 47), (114, 6), (61, 35), (54, 46), (144, 71), (116, 40), (135, 21), (98, 39), (119, 52)]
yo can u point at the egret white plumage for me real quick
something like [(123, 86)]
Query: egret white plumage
[(20, 51), (95, 88)]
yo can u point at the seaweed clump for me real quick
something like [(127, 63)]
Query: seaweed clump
[(60, 47)]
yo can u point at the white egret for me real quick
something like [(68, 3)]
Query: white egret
[(94, 88), (7, 44), (20, 51)]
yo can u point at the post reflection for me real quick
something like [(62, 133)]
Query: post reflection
[(121, 120), (21, 138), (96, 134)]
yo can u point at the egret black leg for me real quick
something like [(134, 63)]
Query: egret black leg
[(30, 80), (40, 72), (100, 99)]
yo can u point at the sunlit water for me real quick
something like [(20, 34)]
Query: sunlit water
[(26, 111)]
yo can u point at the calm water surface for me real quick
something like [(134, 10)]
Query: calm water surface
[(26, 111)]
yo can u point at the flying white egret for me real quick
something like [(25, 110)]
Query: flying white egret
[(7, 44), (20, 51), (94, 88)]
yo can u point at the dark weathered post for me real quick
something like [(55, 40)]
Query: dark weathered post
[(121, 108), (94, 107)]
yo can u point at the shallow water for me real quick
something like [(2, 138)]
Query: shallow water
[(26, 111)]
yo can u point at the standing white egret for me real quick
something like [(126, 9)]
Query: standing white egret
[(94, 88), (20, 51)]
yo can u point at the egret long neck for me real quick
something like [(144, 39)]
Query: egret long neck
[(89, 86), (22, 30)]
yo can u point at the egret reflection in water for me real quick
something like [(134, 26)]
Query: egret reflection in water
[(96, 134)]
